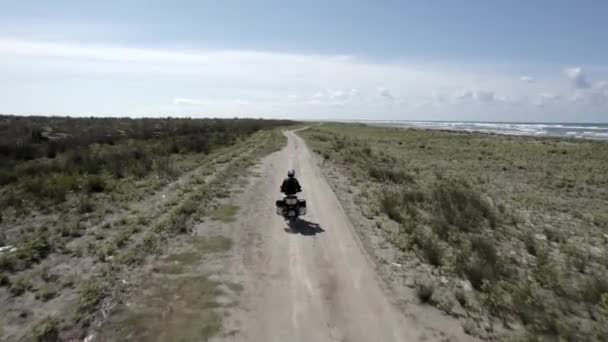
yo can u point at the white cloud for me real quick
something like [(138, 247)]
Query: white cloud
[(549, 96), (464, 95), (114, 79), (385, 93), (546, 98), (440, 98), (319, 95), (527, 79), (578, 77), (596, 95), (187, 102), (484, 95), (478, 95), (331, 97), (338, 95), (241, 102), (180, 101), (587, 94)]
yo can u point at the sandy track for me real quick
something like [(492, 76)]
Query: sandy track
[(315, 284)]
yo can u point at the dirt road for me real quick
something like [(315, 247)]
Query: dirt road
[(313, 284)]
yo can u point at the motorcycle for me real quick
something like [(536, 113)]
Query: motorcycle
[(291, 207)]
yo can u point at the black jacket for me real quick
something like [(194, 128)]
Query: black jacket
[(290, 186)]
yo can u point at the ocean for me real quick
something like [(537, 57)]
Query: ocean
[(541, 129)]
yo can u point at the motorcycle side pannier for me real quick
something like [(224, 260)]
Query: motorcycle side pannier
[(279, 204), (302, 206)]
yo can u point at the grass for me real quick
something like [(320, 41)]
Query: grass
[(388, 174), (520, 219), (188, 257), (90, 294), (425, 290), (212, 244), (71, 229), (28, 253), (46, 293), (56, 158), (193, 316), (46, 330), (95, 183), (73, 197), (198, 246), (20, 285), (170, 268), (225, 213)]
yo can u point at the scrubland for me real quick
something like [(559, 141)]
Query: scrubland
[(510, 234), (86, 203)]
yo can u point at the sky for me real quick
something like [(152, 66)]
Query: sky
[(531, 61)]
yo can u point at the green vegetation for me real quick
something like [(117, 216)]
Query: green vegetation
[(30, 251), (46, 330), (85, 201), (225, 213), (49, 158), (212, 244), (192, 319), (46, 293), (521, 220), (90, 293), (425, 290), (19, 286)]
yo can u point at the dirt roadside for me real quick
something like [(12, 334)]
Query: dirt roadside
[(317, 283)]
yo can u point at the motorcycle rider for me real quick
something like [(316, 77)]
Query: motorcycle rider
[(290, 185)]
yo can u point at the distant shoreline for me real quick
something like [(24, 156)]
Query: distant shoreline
[(570, 131)]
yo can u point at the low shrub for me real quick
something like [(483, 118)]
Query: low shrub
[(28, 253), (121, 239), (11, 198), (90, 294), (393, 175), (604, 304), (19, 286), (54, 187), (478, 262), (189, 207), (95, 183), (425, 290), (34, 186), (485, 249), (71, 230), (433, 252), (46, 330), (414, 196), (477, 271), (83, 161), (4, 280), (46, 293), (578, 257), (165, 168), (458, 204), (594, 287), (461, 297), (530, 243), (59, 185), (390, 203), (7, 177), (85, 205)]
